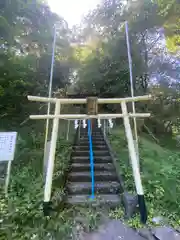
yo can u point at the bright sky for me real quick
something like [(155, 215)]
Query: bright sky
[(72, 10)]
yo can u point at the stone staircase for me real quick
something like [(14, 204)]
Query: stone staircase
[(107, 185)]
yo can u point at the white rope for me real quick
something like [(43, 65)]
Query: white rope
[(84, 123), (111, 124), (76, 124), (99, 123)]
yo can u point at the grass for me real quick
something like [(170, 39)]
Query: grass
[(160, 171), (21, 214)]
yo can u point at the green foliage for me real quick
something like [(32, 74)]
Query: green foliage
[(118, 213), (26, 49), (165, 110), (99, 65), (160, 177), (21, 214), (170, 10), (104, 69)]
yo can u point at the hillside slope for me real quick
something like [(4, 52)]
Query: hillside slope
[(160, 171)]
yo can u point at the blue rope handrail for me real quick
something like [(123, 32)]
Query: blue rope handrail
[(91, 155)]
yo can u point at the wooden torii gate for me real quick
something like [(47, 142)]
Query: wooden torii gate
[(92, 113)]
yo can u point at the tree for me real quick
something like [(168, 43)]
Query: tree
[(103, 67), (170, 11), (26, 49)]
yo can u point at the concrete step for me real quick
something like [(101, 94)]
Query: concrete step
[(94, 138), (86, 143), (86, 148), (93, 135), (100, 187), (86, 159), (94, 130), (78, 167), (86, 176), (95, 153), (118, 230), (111, 199)]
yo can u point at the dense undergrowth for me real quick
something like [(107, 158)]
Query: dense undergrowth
[(21, 215), (160, 171)]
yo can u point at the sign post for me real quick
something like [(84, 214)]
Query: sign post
[(7, 151)]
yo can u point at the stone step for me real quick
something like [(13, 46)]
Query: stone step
[(86, 143), (111, 199), (86, 176), (118, 230), (86, 167), (95, 153), (94, 138), (100, 187), (93, 135), (86, 148), (85, 159), (165, 233), (94, 130)]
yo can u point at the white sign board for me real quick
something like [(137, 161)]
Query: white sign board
[(7, 145)]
